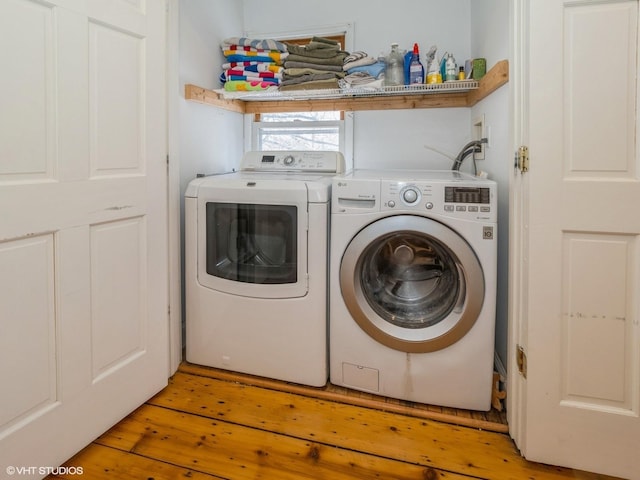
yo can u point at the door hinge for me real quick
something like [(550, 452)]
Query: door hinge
[(521, 361), (522, 159)]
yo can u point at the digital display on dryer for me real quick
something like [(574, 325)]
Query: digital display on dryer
[(268, 158), (467, 195)]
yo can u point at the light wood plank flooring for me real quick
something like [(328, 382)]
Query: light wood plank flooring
[(209, 424)]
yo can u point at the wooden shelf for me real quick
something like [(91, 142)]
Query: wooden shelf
[(494, 79)]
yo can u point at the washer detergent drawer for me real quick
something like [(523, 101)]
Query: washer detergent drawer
[(252, 239)]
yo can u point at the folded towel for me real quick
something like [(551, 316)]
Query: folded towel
[(250, 74), (253, 67), (312, 77), (325, 40), (312, 52), (374, 69), (244, 58), (334, 60), (357, 79), (322, 46), (353, 56), (233, 78), (246, 86), (247, 49), (294, 64), (366, 82), (296, 72), (360, 62), (266, 44), (255, 55)]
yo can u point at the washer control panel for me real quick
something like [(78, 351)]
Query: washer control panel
[(293, 161), (464, 200)]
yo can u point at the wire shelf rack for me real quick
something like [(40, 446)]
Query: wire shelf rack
[(275, 94)]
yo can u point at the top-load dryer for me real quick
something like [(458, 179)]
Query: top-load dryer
[(256, 254), (413, 285)]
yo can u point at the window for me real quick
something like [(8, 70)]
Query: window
[(299, 131)]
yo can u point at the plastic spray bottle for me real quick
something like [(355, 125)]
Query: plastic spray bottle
[(416, 70), (433, 66)]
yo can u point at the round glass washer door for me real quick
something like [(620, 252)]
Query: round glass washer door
[(412, 283)]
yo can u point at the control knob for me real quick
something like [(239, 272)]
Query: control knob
[(410, 195), (289, 160)]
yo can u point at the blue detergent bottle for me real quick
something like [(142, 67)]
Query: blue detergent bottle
[(407, 63), (416, 69)]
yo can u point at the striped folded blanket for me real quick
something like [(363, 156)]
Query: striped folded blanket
[(253, 67), (259, 44), (226, 77), (240, 55), (257, 75), (249, 73)]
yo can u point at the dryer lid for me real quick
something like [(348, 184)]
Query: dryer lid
[(260, 187)]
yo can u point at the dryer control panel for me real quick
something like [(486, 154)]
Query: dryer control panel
[(293, 161)]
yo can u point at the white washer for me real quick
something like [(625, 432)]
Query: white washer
[(256, 254), (413, 286)]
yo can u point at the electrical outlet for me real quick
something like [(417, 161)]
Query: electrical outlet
[(479, 132)]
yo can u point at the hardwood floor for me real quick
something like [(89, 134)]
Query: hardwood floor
[(205, 425)]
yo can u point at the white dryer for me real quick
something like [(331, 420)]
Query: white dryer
[(256, 257), (413, 285)]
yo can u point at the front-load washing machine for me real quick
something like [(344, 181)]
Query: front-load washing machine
[(256, 261), (413, 285)]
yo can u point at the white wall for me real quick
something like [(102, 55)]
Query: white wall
[(427, 22), (490, 39), (209, 140)]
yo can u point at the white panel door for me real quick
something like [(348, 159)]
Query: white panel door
[(579, 314), (83, 229)]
